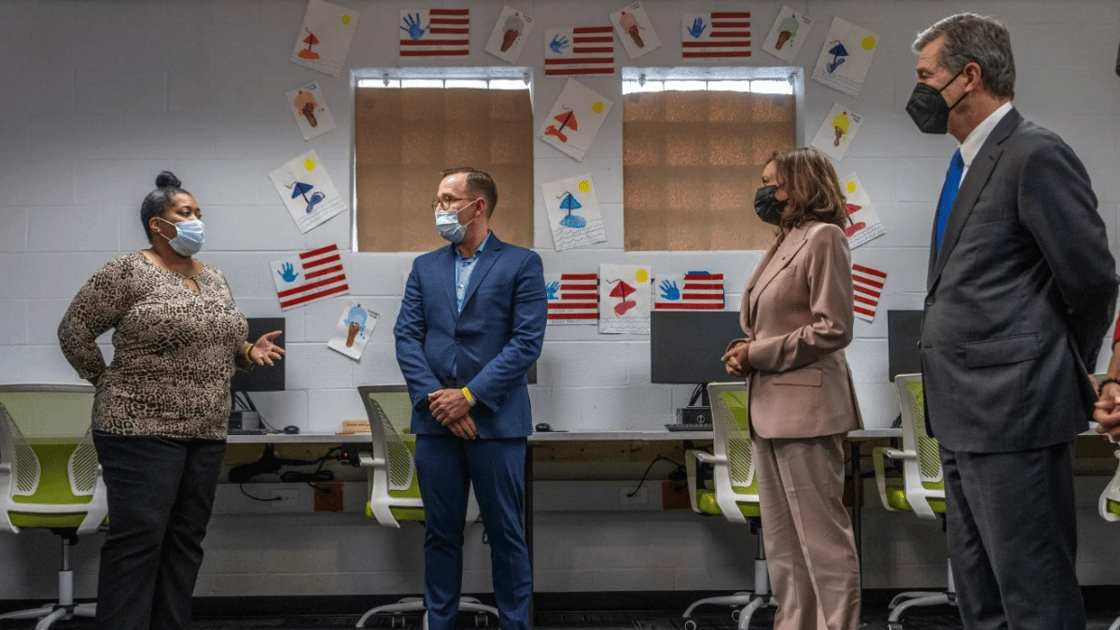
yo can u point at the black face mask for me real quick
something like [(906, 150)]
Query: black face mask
[(928, 108), (768, 208)]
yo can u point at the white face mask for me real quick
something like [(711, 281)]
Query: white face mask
[(189, 236), (447, 222)]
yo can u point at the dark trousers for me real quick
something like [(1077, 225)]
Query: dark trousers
[(1012, 535), (160, 492), (446, 466)]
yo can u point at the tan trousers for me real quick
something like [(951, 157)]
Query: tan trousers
[(810, 549)]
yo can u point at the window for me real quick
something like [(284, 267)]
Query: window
[(694, 142), (411, 124)]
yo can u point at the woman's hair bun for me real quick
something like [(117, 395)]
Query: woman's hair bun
[(167, 179)]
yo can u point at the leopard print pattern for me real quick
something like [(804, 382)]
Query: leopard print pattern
[(175, 350)]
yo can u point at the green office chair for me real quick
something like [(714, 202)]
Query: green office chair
[(49, 478), (394, 492), (733, 492), (920, 490), (1110, 510)]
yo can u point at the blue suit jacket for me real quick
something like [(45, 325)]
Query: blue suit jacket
[(492, 342)]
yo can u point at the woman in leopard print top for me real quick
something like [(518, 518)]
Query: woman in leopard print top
[(161, 408)]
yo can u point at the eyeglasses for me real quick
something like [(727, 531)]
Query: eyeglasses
[(445, 203)]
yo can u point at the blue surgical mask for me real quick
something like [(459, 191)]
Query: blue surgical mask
[(447, 222), (189, 237)]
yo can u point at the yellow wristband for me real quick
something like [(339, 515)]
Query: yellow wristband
[(248, 357), (467, 395)]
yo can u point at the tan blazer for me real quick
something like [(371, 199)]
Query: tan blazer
[(797, 314)]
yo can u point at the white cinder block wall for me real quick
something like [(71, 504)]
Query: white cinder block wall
[(101, 95)]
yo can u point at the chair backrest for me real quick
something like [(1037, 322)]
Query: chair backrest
[(1110, 499), (731, 441), (49, 476), (394, 489), (926, 468)]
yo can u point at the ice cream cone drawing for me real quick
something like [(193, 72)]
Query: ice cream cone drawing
[(310, 40), (513, 27), (566, 119), (305, 104), (357, 322), (786, 30), (630, 24), (840, 126)]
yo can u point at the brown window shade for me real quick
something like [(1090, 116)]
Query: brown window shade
[(404, 137), (692, 162)]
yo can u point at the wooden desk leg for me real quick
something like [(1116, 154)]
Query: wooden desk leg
[(857, 503), (528, 523)]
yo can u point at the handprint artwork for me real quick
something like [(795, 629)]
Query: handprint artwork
[(692, 291), (288, 272), (412, 26), (558, 44), (584, 50), (669, 290), (309, 276), (697, 28), (435, 33)]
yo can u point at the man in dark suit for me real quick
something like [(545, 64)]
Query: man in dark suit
[(1021, 288), (470, 326)]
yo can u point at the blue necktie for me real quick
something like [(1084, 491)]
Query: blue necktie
[(949, 194)]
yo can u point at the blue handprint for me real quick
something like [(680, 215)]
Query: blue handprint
[(669, 290), (413, 23), (698, 27), (552, 289), (288, 272), (558, 44)]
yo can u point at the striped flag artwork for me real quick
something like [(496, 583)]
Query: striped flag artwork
[(573, 298), (867, 284), (435, 33), (716, 35), (585, 50), (310, 276), (693, 291)]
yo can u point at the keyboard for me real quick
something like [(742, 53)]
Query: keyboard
[(688, 427)]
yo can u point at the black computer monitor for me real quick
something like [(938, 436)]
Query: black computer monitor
[(268, 378), (904, 330), (685, 346)]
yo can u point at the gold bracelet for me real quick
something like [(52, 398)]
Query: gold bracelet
[(467, 395)]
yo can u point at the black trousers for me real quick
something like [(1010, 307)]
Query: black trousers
[(161, 493), (1012, 535)]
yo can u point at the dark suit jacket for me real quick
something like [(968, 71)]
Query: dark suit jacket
[(493, 341), (1019, 298)]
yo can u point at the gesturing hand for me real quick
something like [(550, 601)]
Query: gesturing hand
[(413, 23), (698, 27), (264, 351), (558, 44), (288, 272), (669, 290)]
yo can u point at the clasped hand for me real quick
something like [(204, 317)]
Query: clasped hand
[(450, 408), (1107, 412), (735, 360)]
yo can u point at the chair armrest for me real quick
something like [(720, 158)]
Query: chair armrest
[(708, 458), (878, 455), (894, 453), (367, 460)]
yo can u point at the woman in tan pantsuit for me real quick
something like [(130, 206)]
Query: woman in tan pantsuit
[(797, 316)]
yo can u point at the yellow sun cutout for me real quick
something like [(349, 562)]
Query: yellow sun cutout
[(642, 276), (867, 42), (851, 187), (597, 107), (309, 164), (346, 20), (584, 186)]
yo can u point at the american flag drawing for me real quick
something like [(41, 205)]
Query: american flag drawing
[(716, 35), (435, 33), (868, 286), (693, 291), (573, 298), (586, 50), (310, 276)]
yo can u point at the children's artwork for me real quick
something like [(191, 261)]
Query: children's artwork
[(692, 291), (845, 57), (575, 119), (307, 191), (865, 223), (624, 299), (867, 285), (509, 34), (352, 331), (324, 38), (585, 50), (573, 212), (837, 131), (787, 34), (435, 33), (310, 110), (717, 35), (573, 298), (310, 276), (635, 30)]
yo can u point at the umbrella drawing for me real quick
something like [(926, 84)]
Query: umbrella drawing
[(838, 53), (854, 227), (566, 119), (299, 188), (621, 290), (310, 40), (570, 203)]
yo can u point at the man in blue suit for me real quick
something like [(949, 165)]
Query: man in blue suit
[(471, 325)]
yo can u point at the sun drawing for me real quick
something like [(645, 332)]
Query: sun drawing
[(584, 185), (309, 164), (642, 276), (346, 20), (851, 187), (597, 107), (867, 42)]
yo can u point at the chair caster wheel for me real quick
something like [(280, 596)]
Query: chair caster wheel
[(894, 625), (481, 620), (690, 624)]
